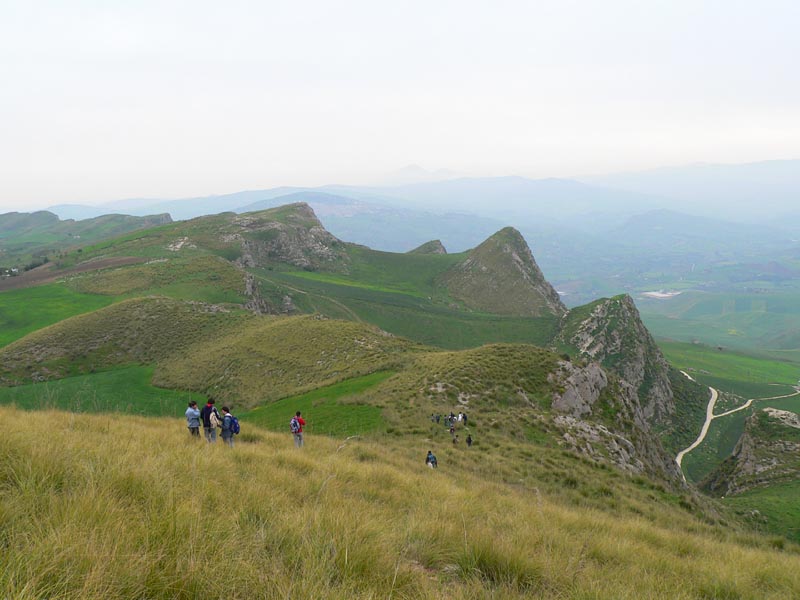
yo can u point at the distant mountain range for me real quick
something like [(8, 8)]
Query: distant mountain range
[(596, 236)]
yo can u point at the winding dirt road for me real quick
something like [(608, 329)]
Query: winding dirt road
[(710, 416)]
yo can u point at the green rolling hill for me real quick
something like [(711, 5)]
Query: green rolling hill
[(270, 313)]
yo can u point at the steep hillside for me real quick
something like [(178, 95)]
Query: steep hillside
[(610, 331), (352, 520), (768, 452), (500, 276)]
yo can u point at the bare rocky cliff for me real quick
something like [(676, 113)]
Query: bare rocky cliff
[(610, 331), (600, 416)]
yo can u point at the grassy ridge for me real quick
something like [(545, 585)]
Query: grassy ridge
[(205, 278), (141, 330), (107, 507), (267, 359)]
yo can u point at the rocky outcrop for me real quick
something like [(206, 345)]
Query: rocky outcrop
[(610, 331), (290, 235), (500, 276), (582, 388), (601, 417), (768, 452)]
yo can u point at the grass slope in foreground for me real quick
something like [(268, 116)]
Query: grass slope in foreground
[(107, 507)]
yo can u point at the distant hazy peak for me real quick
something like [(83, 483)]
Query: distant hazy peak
[(432, 247), (501, 276)]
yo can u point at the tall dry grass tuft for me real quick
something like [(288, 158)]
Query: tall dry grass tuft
[(126, 507)]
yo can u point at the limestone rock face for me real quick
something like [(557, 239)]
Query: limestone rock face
[(501, 276), (582, 389), (293, 236), (601, 417), (610, 331)]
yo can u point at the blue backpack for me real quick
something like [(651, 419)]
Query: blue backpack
[(234, 425)]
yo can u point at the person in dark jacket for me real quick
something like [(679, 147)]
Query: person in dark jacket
[(430, 460), (211, 420), (227, 426)]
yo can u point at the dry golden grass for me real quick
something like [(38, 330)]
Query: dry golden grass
[(126, 507)]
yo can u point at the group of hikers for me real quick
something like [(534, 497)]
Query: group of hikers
[(450, 424), (211, 420)]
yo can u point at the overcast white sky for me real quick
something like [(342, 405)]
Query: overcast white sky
[(109, 99)]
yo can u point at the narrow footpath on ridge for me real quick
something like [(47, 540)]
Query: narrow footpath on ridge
[(710, 416)]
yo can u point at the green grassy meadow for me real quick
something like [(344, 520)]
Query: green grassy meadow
[(414, 316), (126, 390), (774, 509), (329, 410), (26, 310)]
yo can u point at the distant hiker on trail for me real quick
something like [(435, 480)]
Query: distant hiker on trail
[(227, 426), (438, 417), (193, 418), (452, 429), (296, 425), (455, 440), (469, 441), (465, 419), (211, 420), (430, 460)]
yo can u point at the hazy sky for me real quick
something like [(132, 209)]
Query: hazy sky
[(109, 99)]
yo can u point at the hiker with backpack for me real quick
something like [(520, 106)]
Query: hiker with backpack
[(296, 425), (211, 420), (230, 426), (193, 419), (430, 460)]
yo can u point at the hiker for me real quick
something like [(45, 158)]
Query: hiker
[(438, 417), (465, 419), (430, 460), (433, 418), (227, 426), (211, 420), (452, 429), (193, 419), (296, 425), (455, 440), (469, 441)]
